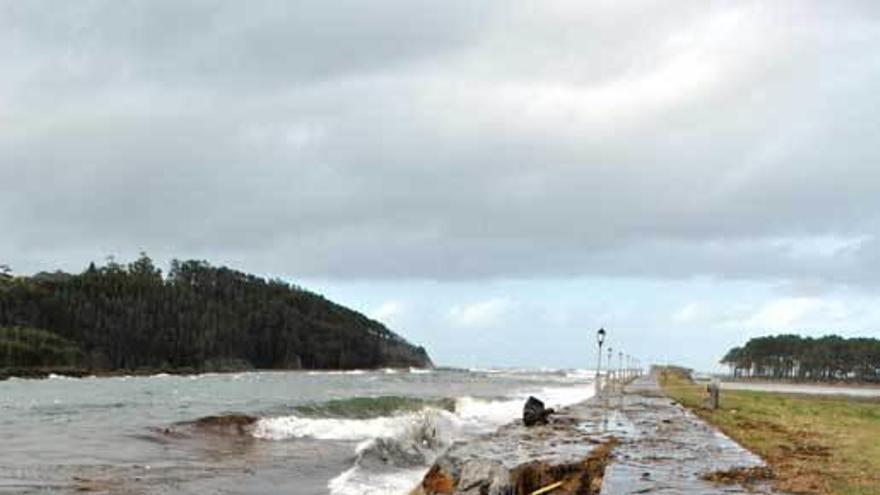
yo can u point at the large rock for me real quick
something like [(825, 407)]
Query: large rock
[(534, 412)]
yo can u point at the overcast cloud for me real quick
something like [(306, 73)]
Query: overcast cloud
[(454, 140)]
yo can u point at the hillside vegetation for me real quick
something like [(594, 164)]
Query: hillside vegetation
[(198, 317), (23, 347)]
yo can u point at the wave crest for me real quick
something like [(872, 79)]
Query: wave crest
[(371, 407), (401, 436)]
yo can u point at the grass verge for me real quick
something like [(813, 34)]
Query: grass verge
[(815, 445)]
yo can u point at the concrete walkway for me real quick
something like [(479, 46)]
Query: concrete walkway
[(659, 448), (664, 448)]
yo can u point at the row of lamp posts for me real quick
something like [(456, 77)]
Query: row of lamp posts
[(623, 373)]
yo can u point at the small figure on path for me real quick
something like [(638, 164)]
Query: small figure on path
[(534, 412)]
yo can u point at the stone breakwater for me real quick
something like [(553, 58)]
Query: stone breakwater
[(634, 441)]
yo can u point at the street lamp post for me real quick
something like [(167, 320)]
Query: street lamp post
[(610, 365), (600, 339), (620, 367)]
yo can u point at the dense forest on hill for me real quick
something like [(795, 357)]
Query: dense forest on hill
[(197, 317), (830, 358)]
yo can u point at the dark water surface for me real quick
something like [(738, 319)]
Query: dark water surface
[(318, 432)]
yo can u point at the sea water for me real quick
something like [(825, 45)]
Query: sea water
[(340, 433)]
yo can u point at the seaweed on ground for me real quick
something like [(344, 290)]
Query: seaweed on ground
[(741, 475)]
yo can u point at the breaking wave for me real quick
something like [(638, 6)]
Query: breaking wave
[(338, 372), (400, 437), (371, 407)]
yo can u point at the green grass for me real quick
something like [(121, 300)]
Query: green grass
[(815, 444)]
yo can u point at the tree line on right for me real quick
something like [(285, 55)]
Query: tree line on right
[(828, 358)]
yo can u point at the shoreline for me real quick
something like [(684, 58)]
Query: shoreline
[(46, 373), (631, 439), (337, 448)]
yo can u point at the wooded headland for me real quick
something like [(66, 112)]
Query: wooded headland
[(197, 317)]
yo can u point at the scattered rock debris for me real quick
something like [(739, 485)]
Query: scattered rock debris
[(485, 478), (741, 475)]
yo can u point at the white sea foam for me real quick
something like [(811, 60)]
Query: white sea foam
[(485, 370), (472, 416), (485, 414), (357, 481), (53, 376), (569, 376), (420, 371), (337, 372), (581, 374), (425, 436), (481, 415), (286, 427), (397, 426), (564, 396)]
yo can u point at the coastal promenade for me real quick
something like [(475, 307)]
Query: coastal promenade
[(631, 441), (664, 449)]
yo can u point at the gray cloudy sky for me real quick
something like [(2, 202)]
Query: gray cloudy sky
[(464, 156)]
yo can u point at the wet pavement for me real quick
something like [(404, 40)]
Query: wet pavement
[(518, 459), (664, 449), (658, 448)]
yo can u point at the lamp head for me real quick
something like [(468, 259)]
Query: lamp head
[(600, 336)]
